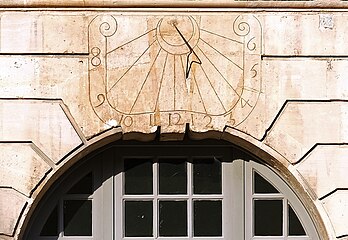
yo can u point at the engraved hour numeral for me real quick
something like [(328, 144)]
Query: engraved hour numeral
[(254, 71), (175, 119)]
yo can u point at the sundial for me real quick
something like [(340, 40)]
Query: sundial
[(174, 69)]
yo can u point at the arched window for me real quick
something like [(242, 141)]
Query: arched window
[(171, 191)]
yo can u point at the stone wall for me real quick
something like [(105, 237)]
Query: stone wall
[(289, 98)]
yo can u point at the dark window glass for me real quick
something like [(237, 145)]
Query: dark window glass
[(172, 218), (138, 219), (261, 185), (207, 176), (295, 226), (172, 176), (207, 218), (268, 217), (84, 186), (77, 217), (138, 176), (51, 226)]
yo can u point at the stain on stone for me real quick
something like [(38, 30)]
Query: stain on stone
[(329, 66)]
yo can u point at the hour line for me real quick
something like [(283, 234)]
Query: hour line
[(183, 68), (160, 87), (212, 87), (147, 76), (131, 41), (204, 30), (218, 71), (251, 89), (199, 92), (131, 66), (174, 82), (221, 54)]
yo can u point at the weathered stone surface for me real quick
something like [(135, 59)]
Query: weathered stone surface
[(325, 168), (42, 77), (3, 237), (189, 70), (285, 33), (336, 206), (114, 82), (30, 32), (11, 205), (43, 122), (336, 79), (21, 167), (282, 79), (303, 124), (306, 34), (179, 3), (291, 78), (301, 79)]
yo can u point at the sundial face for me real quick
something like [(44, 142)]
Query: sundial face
[(173, 70)]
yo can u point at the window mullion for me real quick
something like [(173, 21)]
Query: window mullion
[(60, 219), (155, 198), (268, 196), (285, 218), (190, 200)]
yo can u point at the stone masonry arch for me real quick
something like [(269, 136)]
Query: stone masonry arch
[(257, 148)]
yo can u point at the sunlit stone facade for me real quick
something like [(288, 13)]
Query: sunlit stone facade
[(270, 77)]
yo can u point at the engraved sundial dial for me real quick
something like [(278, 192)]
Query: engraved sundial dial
[(174, 69)]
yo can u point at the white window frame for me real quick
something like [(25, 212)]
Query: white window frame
[(237, 172), (285, 194), (230, 222)]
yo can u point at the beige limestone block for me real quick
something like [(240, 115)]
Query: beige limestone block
[(65, 33), (3, 237), (325, 168), (179, 3), (301, 125), (336, 206), (174, 70), (295, 78), (301, 79), (38, 32), (337, 87), (11, 205), (59, 77), (305, 34), (22, 167), (256, 123), (20, 32), (43, 77), (42, 122)]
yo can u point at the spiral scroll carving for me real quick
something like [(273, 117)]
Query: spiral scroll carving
[(108, 27), (241, 28)]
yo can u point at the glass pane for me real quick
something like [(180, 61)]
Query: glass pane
[(295, 226), (207, 176), (173, 218), (138, 176), (84, 186), (268, 217), (172, 176), (261, 185), (51, 226), (138, 218), (207, 218), (77, 217)]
